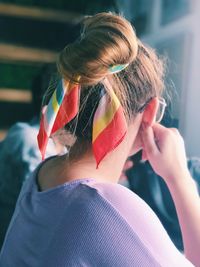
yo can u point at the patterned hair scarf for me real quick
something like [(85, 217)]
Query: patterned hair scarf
[(61, 109), (109, 123)]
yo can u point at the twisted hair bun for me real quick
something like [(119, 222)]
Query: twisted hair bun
[(106, 40)]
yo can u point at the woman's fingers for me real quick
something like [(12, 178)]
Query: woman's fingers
[(165, 150), (148, 139), (144, 155)]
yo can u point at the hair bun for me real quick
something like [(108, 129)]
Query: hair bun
[(106, 40)]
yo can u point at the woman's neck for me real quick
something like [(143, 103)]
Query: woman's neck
[(64, 169), (109, 169), (60, 170)]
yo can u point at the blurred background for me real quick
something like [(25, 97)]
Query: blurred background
[(32, 32)]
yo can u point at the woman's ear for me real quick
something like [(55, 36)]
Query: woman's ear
[(149, 114)]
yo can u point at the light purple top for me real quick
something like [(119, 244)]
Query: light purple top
[(86, 223)]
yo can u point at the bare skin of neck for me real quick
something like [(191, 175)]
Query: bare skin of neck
[(60, 170)]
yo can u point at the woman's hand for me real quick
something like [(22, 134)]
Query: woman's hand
[(164, 149)]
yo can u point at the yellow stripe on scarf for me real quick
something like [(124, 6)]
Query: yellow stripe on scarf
[(105, 120), (55, 104)]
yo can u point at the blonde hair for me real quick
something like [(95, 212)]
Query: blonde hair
[(107, 40)]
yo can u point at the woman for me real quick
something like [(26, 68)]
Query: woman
[(72, 212)]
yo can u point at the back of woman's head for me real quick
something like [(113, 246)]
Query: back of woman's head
[(108, 40)]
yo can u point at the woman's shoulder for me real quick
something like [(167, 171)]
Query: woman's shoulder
[(113, 214), (103, 201), (99, 227), (117, 195), (103, 218)]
